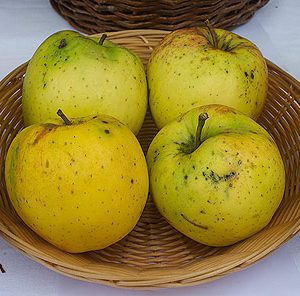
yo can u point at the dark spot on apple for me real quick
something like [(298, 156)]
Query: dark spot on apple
[(104, 121), (246, 74), (252, 75), (131, 181), (107, 131), (62, 43), (185, 177), (229, 176), (216, 178), (155, 158)]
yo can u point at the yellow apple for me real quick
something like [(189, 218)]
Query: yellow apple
[(81, 185), (200, 66), (216, 175), (84, 76)]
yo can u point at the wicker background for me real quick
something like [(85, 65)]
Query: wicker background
[(154, 255), (92, 16)]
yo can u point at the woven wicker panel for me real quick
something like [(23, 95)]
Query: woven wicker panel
[(154, 255), (92, 16)]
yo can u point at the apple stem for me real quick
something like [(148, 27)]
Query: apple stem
[(201, 120), (103, 37), (212, 34), (63, 117)]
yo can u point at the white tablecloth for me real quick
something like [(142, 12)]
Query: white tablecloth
[(24, 24)]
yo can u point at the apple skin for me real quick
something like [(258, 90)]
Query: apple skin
[(188, 69), (81, 187), (75, 73), (225, 190)]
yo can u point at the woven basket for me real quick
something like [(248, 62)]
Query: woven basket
[(154, 255), (92, 16)]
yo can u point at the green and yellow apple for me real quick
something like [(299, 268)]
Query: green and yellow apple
[(81, 185), (84, 76), (216, 175), (200, 66)]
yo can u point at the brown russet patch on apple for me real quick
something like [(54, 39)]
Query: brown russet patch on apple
[(47, 127), (190, 37), (222, 109), (204, 59)]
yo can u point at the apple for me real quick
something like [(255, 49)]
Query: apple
[(80, 184), (84, 76), (201, 66), (216, 175)]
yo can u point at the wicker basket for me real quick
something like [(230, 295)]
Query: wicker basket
[(92, 16), (154, 255)]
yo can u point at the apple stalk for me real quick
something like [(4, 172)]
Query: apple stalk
[(201, 121), (212, 36), (103, 37), (63, 117)]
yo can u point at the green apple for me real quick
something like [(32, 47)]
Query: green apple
[(81, 185), (84, 76), (216, 175), (200, 66)]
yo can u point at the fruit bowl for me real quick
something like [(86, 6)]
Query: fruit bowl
[(154, 255)]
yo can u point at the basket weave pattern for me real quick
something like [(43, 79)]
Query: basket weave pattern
[(92, 16), (155, 255)]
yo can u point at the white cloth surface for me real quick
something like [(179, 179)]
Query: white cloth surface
[(275, 29)]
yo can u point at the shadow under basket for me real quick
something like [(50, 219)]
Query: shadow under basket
[(92, 16), (155, 255)]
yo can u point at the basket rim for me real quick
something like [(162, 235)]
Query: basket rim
[(186, 273)]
